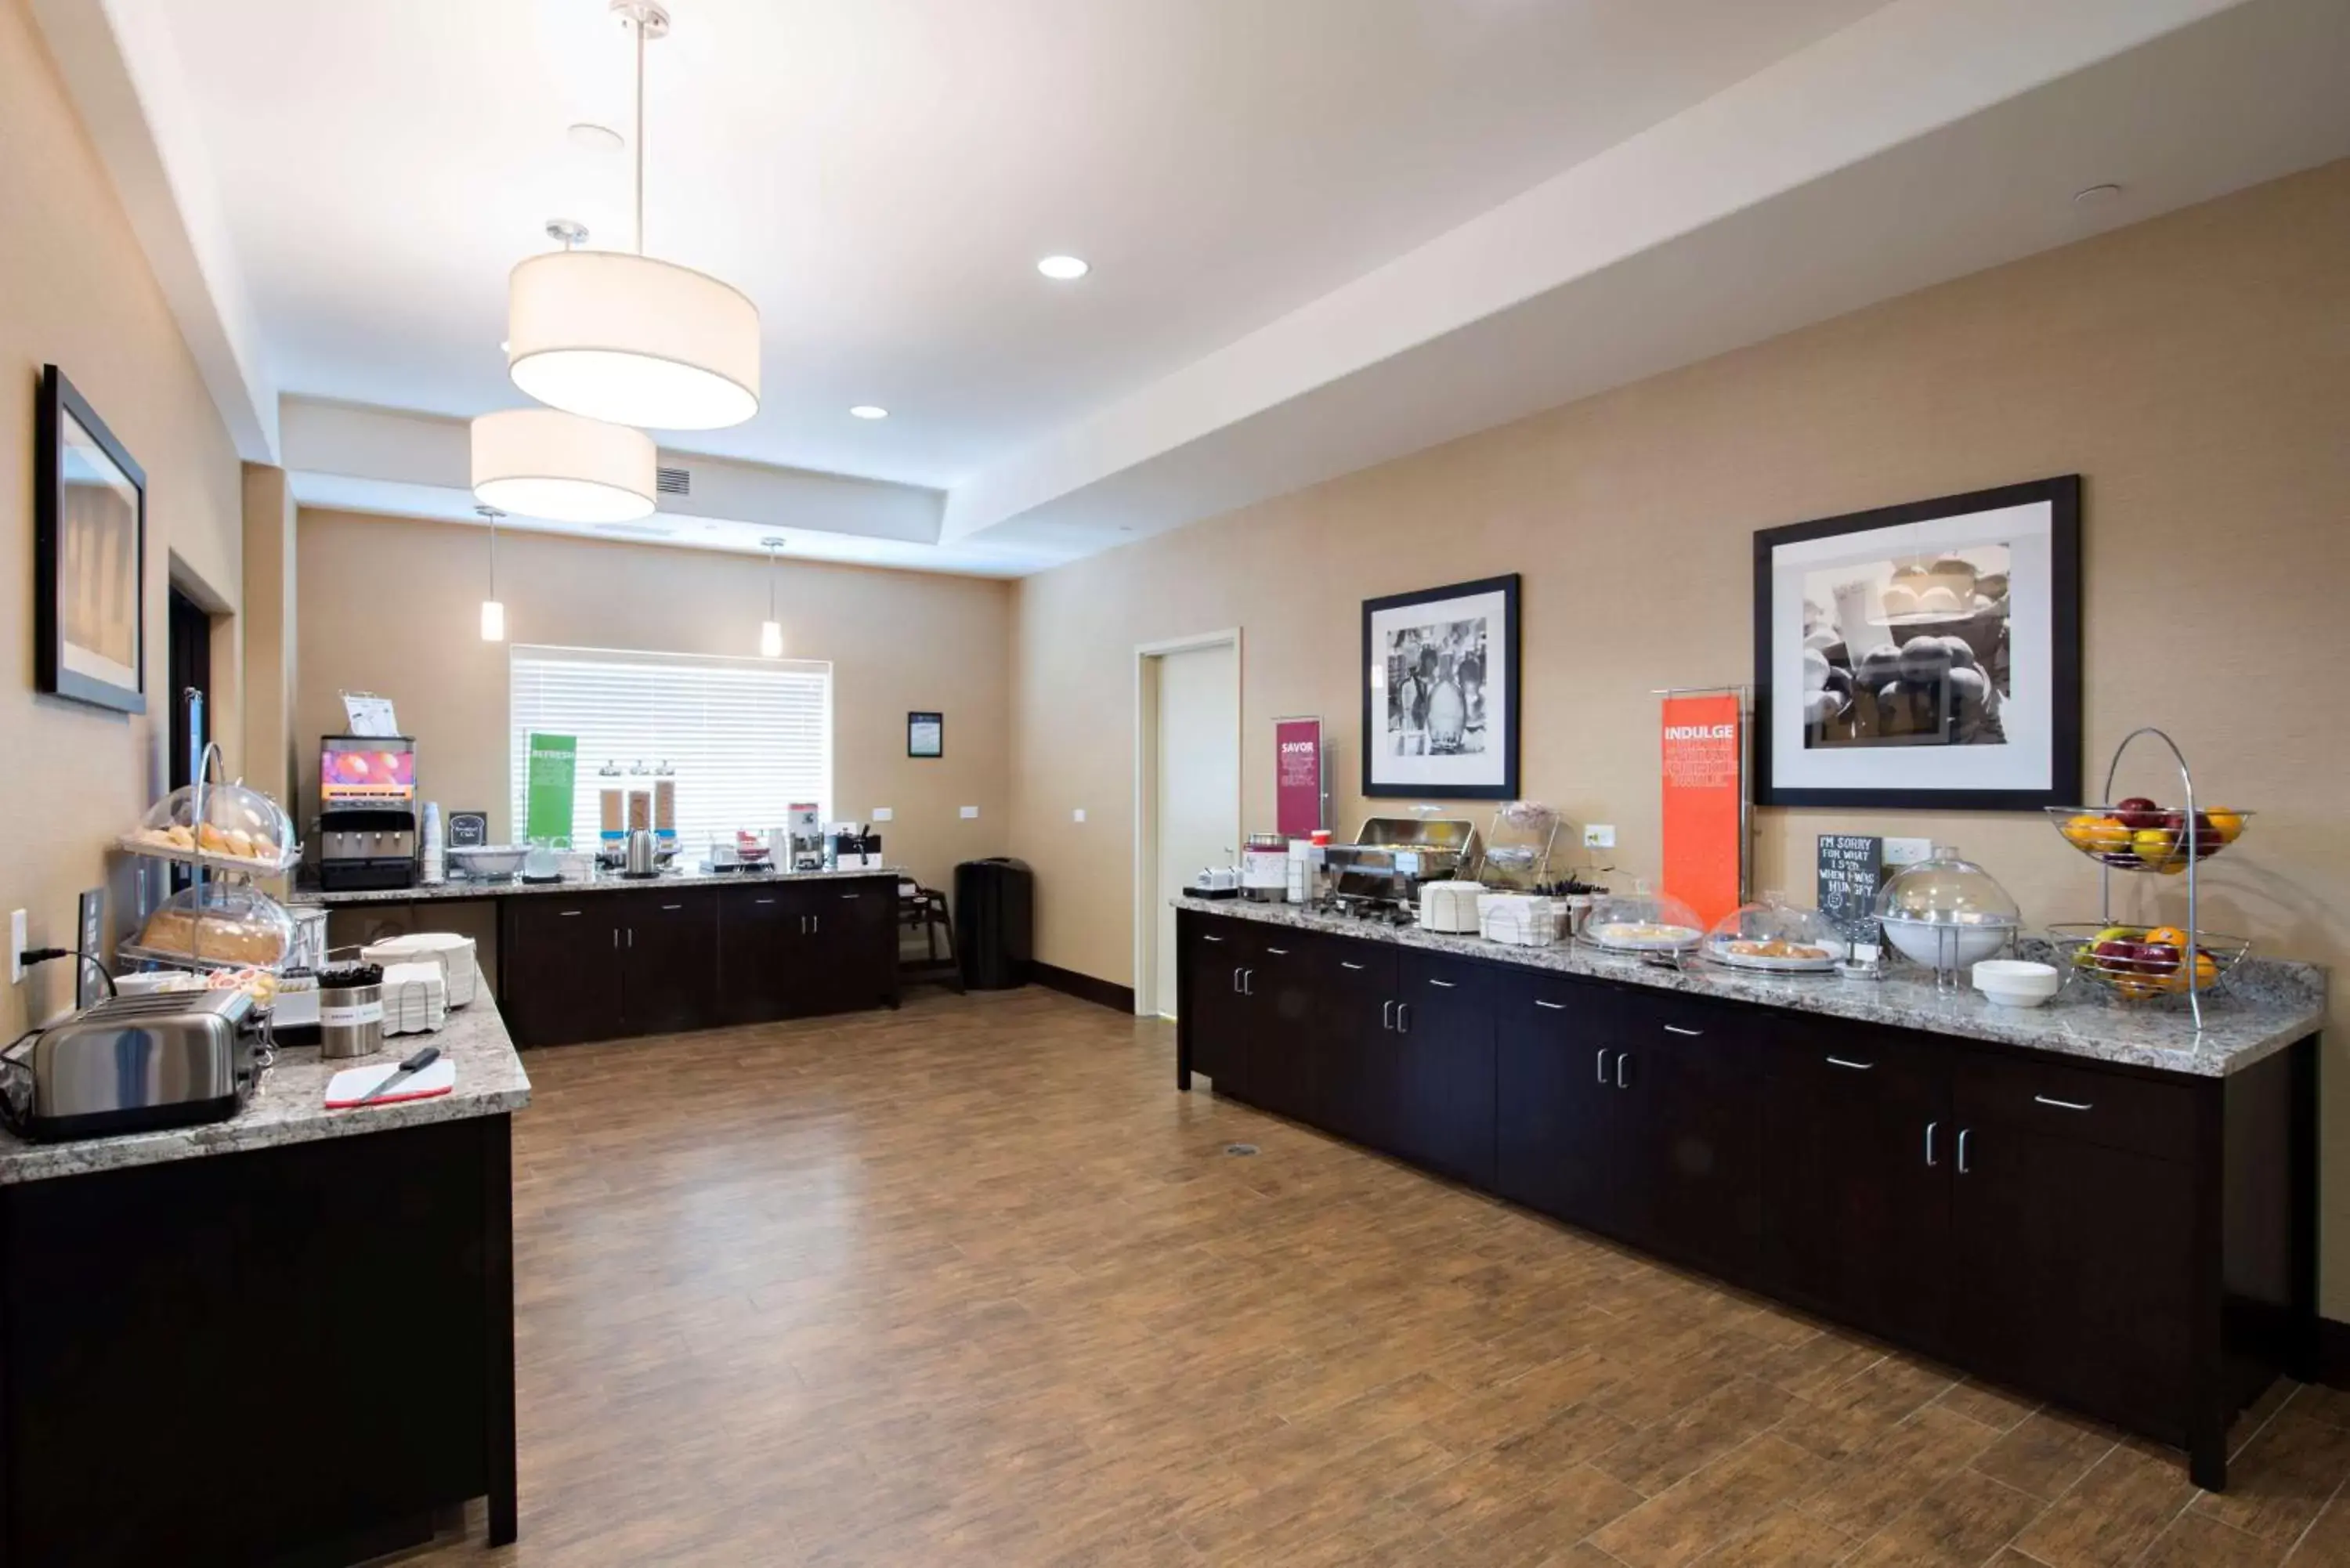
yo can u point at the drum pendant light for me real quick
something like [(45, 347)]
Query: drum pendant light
[(626, 338), (543, 463)]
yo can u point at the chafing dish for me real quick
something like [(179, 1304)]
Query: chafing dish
[(1392, 857)]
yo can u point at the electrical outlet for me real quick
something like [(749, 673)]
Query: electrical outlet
[(1908, 851), (971, 813), (1078, 815), (883, 814), (1599, 836), (18, 942)]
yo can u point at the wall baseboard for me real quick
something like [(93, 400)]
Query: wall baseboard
[(1083, 987), (2333, 1353)]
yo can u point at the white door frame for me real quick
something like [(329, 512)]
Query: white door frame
[(1148, 894)]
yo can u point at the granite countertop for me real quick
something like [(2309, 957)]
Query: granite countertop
[(2268, 1005), (289, 1106), (309, 893)]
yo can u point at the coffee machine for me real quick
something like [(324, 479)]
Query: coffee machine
[(367, 813)]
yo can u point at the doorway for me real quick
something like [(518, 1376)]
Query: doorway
[(188, 686), (1187, 790)]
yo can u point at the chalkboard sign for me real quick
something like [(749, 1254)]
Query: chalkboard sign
[(1852, 867)]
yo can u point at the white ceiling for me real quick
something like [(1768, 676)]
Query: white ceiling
[(880, 177), (1324, 232)]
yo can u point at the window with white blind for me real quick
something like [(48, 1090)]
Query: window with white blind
[(747, 737)]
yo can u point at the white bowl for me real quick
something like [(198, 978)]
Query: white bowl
[(2012, 983), (1925, 942)]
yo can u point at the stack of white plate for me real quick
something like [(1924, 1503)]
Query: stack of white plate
[(415, 998), (452, 953)]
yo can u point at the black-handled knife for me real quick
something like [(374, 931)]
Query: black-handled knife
[(407, 1070)]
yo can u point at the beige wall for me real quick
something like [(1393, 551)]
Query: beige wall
[(76, 290), (393, 606), (2196, 370), (270, 622)]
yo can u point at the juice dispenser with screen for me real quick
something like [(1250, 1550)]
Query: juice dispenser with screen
[(367, 812)]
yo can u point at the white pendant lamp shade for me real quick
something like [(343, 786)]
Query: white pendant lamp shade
[(542, 463), (494, 621), (633, 341)]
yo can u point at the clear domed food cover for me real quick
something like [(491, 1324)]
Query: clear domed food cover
[(1776, 936), (242, 830), (1946, 912), (1641, 922), (218, 923)]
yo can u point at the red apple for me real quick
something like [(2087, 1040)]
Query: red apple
[(2138, 812), (2119, 956), (2158, 957)]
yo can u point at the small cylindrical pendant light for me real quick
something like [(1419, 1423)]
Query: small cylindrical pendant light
[(493, 611), (771, 631)]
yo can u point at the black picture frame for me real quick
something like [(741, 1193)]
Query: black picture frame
[(936, 721), (1389, 787), (56, 671), (2061, 495)]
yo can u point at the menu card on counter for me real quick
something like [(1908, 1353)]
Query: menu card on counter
[(1852, 868)]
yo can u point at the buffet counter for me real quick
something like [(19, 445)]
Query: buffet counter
[(2268, 1004)]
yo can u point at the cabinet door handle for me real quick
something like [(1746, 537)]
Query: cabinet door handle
[(1600, 1065), (632, 936), (1343, 963), (1278, 952), (762, 901), (1403, 1017), (1929, 1144), (568, 914), (850, 898), (616, 936), (1856, 1067), (1209, 938), (1677, 1029), (1621, 1057), (1248, 982), (1236, 980), (1962, 1149), (1443, 985), (672, 906), (2060, 1105), (1550, 1006), (816, 924), (1387, 1015)]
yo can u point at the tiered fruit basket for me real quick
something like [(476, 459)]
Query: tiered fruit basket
[(2140, 963)]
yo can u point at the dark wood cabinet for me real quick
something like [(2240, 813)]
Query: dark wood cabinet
[(1686, 1146), (2136, 1245), (1857, 1179), (559, 976), (1444, 1066), (669, 960), (1552, 1101), (608, 963), (2071, 1255), (757, 974)]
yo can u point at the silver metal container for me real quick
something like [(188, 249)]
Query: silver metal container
[(350, 1017)]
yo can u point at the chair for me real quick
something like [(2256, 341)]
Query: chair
[(925, 910)]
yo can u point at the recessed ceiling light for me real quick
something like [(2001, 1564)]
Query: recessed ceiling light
[(2096, 195), (870, 411), (589, 137), (1063, 269)]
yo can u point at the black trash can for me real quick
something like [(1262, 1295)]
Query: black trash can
[(995, 922)]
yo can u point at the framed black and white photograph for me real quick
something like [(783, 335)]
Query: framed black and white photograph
[(1440, 691), (1927, 655), (89, 556), (926, 734)]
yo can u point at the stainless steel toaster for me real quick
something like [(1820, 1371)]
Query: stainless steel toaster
[(135, 1064)]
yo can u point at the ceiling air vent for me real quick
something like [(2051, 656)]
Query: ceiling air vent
[(636, 530), (673, 480)]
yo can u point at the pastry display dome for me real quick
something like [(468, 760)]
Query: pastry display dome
[(1775, 935), (1641, 922), (1946, 912), (241, 830), (217, 923)]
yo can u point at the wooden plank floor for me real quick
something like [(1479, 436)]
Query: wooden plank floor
[(974, 1284)]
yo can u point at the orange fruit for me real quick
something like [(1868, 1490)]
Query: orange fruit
[(2207, 974), (2090, 830), (2166, 936), (2225, 823)]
